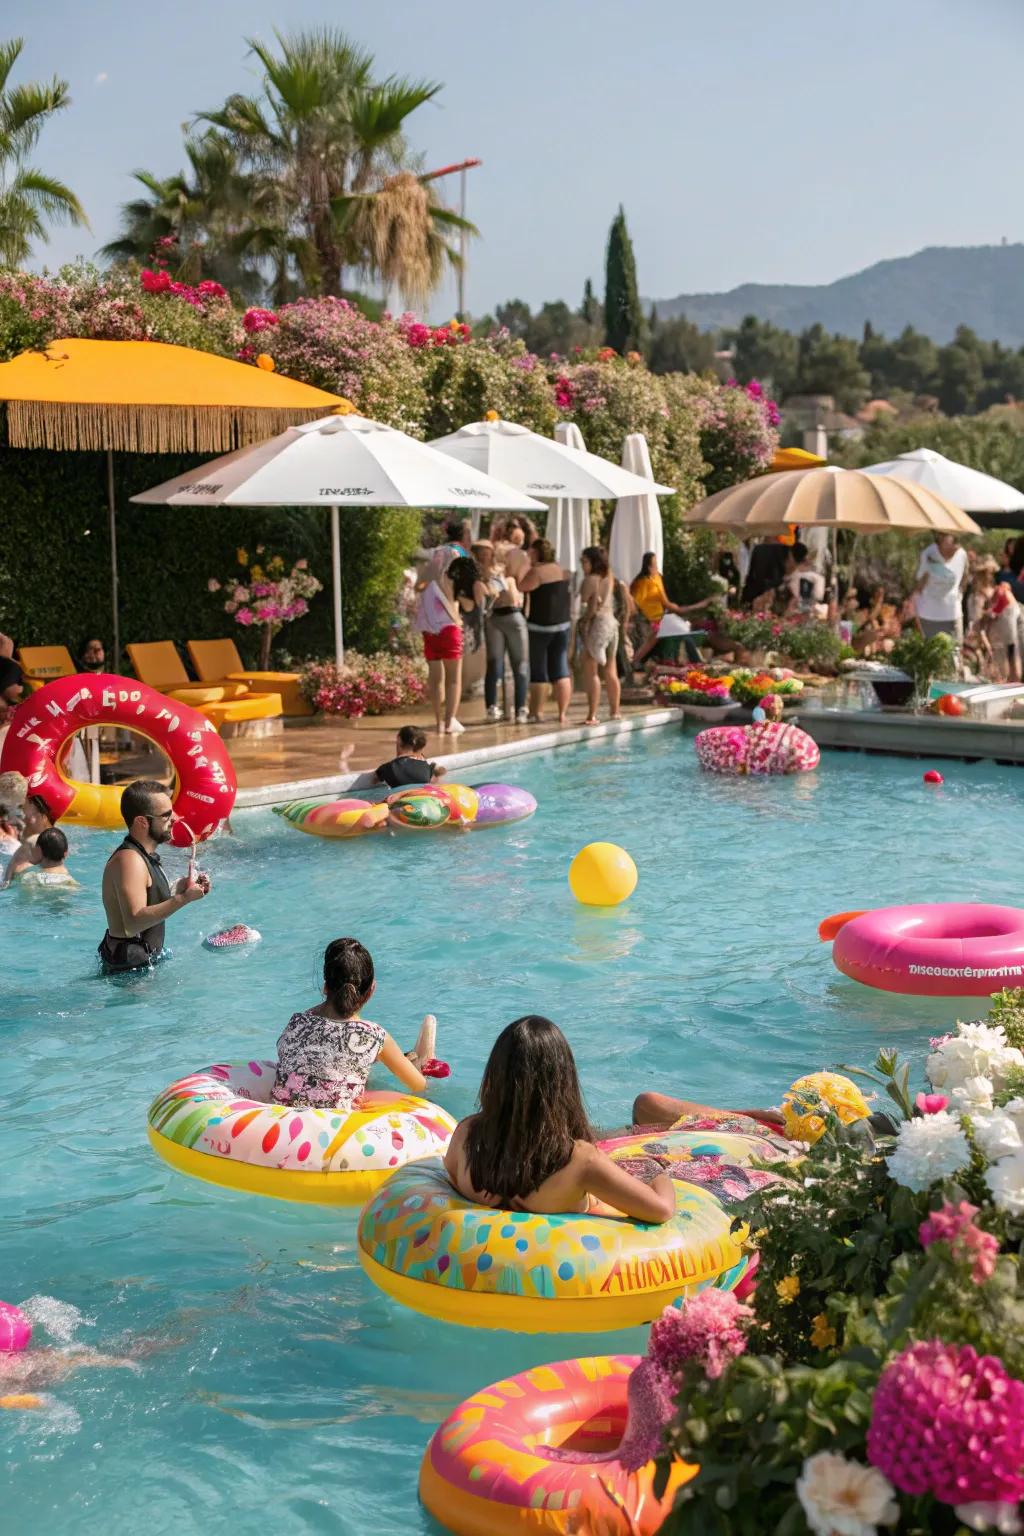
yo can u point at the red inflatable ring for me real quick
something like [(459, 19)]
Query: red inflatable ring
[(44, 723), (939, 949)]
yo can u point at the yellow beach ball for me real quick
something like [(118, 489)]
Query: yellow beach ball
[(834, 1090), (602, 875)]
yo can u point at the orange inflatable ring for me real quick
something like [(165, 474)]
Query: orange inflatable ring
[(44, 723), (538, 1452)]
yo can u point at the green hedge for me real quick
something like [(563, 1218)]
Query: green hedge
[(55, 558)]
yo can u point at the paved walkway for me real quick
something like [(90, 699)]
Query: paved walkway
[(320, 748)]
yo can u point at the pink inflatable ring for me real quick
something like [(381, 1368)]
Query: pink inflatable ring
[(938, 949), (770, 747)]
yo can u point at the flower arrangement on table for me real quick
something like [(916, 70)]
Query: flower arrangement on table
[(749, 687), (877, 1377), (695, 687), (365, 685), (267, 595)]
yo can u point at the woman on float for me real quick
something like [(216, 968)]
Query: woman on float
[(325, 1054), (530, 1147)]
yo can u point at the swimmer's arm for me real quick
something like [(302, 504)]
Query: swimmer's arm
[(437, 771), (401, 1067), (611, 1184)]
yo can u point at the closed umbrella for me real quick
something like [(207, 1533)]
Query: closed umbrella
[(569, 527), (145, 397), (636, 527), (344, 459), (997, 504), (539, 465)]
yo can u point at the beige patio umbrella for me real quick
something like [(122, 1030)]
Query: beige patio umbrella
[(830, 498)]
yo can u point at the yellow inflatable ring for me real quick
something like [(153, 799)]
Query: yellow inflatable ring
[(219, 1125), (437, 1253)]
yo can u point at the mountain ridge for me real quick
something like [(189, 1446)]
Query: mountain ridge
[(934, 290)]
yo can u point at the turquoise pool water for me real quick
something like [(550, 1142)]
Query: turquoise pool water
[(281, 1385)]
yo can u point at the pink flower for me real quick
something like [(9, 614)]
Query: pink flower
[(245, 616), (154, 282), (651, 1406), (213, 585), (954, 1224), (258, 320), (302, 565), (949, 1422), (709, 1327), (211, 290), (931, 1103)]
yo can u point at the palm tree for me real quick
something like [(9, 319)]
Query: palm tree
[(330, 186), (29, 199), (203, 210)]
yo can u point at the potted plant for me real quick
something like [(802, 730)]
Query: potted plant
[(700, 696), (266, 596), (923, 660)]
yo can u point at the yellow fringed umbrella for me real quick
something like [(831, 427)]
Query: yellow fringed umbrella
[(146, 397)]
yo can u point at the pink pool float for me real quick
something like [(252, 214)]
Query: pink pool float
[(15, 1328), (768, 747), (233, 938), (937, 949)]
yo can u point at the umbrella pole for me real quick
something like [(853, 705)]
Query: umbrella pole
[(339, 646), (114, 603)]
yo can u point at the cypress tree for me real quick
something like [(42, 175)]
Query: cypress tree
[(624, 327)]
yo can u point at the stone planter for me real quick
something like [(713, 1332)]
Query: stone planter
[(711, 714)]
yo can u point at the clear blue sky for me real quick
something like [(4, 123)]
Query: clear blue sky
[(786, 142)]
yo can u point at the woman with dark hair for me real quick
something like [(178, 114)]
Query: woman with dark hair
[(599, 633), (648, 592), (505, 634), (325, 1054), (548, 621), (530, 1146), (439, 611)]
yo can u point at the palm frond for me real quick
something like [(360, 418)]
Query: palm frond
[(51, 197)]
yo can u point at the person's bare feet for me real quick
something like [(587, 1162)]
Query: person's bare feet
[(590, 720)]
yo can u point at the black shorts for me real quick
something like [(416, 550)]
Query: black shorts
[(549, 655), (124, 954)]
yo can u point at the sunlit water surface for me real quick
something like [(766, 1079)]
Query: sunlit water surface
[(282, 1386)]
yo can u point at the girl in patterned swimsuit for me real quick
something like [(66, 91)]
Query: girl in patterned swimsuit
[(325, 1054)]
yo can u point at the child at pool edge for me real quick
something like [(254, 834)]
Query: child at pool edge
[(530, 1147), (325, 1054), (408, 766)]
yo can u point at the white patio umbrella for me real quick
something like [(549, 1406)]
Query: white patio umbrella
[(569, 527), (636, 527), (340, 460), (539, 465), (967, 488)]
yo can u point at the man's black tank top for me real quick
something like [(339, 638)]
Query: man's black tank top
[(159, 890)]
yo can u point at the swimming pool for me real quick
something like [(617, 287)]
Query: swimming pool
[(282, 1383)]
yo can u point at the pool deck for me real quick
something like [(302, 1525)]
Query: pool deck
[(907, 735), (329, 757)]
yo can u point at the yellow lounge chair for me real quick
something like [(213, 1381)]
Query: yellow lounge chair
[(218, 660), (157, 663), (42, 663)]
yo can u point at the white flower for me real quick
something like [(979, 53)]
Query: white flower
[(976, 1050), (844, 1498), (986, 1515), (1015, 1110), (996, 1134), (974, 1094), (1005, 1181), (927, 1150)]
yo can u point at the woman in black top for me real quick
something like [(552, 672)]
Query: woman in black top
[(548, 621)]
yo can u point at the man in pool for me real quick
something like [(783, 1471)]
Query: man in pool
[(137, 896)]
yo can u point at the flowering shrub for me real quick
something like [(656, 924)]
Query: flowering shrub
[(696, 687), (736, 428), (495, 373), (266, 595), (880, 1381), (365, 685), (330, 343)]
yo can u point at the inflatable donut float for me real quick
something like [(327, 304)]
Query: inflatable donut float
[(770, 747), (549, 1450), (219, 1125), (44, 723), (936, 949), (417, 808), (439, 1254)]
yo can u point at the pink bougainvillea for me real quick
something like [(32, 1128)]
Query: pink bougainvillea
[(710, 1328), (955, 1225)]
